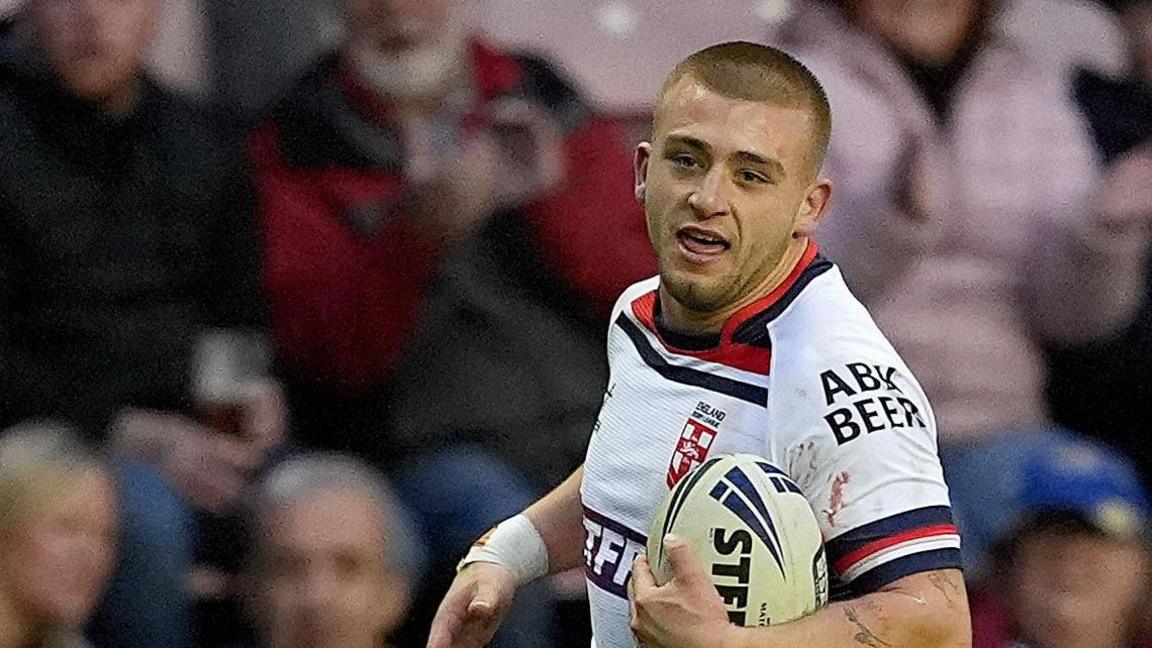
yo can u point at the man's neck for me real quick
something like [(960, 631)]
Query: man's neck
[(679, 318), (122, 101)]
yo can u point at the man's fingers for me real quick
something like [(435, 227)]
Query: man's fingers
[(444, 627), (481, 610), (682, 559), (642, 578), (484, 605), (264, 413), (237, 455), (467, 618), (450, 619)]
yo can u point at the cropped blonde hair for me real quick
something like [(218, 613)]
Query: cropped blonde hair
[(36, 460), (761, 73)]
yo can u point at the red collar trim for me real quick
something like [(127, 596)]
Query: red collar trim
[(765, 302), (755, 359)]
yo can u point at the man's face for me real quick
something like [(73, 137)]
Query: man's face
[(408, 49), (95, 46), (1077, 590), (323, 580), (392, 26), (56, 561), (725, 184), (929, 31)]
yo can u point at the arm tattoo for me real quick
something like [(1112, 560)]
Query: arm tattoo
[(945, 585), (864, 636)]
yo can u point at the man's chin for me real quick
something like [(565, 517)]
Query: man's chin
[(692, 290)]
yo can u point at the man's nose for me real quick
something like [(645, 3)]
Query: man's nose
[(710, 198)]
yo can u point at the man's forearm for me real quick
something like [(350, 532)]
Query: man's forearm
[(928, 610), (559, 519)]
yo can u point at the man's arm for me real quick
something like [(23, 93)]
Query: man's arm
[(483, 590), (234, 290), (923, 610), (559, 519)]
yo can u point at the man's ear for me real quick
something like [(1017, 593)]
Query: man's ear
[(643, 155), (812, 208)]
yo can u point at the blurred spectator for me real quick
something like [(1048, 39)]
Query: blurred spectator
[(418, 153), (1066, 33), (126, 235), (972, 216), (1136, 16), (57, 536), (1075, 572), (1104, 388), (331, 562), (447, 226)]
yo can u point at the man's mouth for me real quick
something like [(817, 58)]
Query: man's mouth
[(702, 243)]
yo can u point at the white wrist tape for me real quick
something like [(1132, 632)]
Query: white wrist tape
[(514, 543)]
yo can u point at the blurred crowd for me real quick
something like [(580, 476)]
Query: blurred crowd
[(270, 360)]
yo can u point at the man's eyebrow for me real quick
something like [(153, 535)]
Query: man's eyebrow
[(690, 142), (773, 166), (775, 169)]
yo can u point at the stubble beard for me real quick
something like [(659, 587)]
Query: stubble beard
[(696, 294), (421, 71)]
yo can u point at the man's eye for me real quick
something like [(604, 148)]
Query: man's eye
[(685, 161), (753, 177)]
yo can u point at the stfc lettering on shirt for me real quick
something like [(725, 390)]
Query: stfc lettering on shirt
[(610, 549)]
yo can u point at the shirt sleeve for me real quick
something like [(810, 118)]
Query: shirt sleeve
[(859, 438)]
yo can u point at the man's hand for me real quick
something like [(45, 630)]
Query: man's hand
[(264, 414), (513, 157), (530, 148), (474, 607), (210, 468), (685, 612), (1124, 199), (453, 193)]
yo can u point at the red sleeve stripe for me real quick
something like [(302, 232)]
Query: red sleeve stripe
[(940, 531)]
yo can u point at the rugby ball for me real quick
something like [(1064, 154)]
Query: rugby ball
[(754, 533)]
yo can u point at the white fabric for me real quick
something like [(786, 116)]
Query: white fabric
[(645, 416), (516, 544)]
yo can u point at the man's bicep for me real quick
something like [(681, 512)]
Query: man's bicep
[(943, 591), (945, 584), (924, 609)]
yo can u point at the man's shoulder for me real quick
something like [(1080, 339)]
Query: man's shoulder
[(826, 326), (641, 290)]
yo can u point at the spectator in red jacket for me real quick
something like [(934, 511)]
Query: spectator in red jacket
[(446, 226), (1076, 571)]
